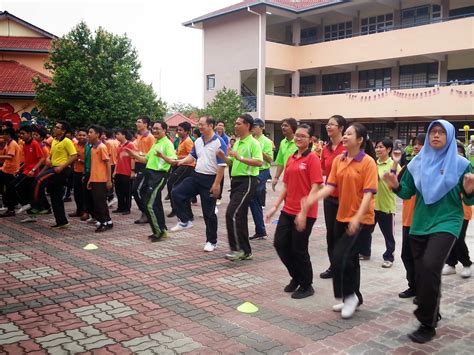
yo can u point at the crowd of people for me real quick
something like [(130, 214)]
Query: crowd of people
[(357, 180)]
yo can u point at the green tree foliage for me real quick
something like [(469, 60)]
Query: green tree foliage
[(185, 109), (96, 80), (226, 106)]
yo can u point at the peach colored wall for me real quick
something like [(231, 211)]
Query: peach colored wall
[(435, 38), (230, 45), (20, 106), (34, 61), (444, 103), (11, 28)]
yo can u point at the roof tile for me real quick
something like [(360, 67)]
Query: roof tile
[(25, 43), (16, 78)]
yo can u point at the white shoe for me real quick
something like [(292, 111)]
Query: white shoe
[(24, 208), (216, 211), (90, 220), (350, 306), (182, 226), (466, 272), (112, 202), (218, 202), (28, 219), (97, 224), (209, 246), (448, 270), (338, 307)]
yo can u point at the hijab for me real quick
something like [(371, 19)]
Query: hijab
[(437, 171)]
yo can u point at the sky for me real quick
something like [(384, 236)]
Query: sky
[(170, 54)]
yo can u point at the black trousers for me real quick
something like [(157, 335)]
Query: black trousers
[(123, 189), (460, 252), (110, 193), (407, 258), (345, 260), (429, 253), (385, 222), (330, 205), (78, 189), (10, 199), (88, 201), (197, 184), (56, 184), (242, 189), (154, 182), (99, 197), (138, 186), (23, 185), (292, 248), (177, 176)]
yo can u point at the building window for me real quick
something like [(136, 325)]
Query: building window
[(374, 24), (420, 15), (211, 82), (375, 79), (309, 35), (418, 75), (461, 74), (461, 12), (338, 31), (377, 131), (307, 84), (408, 130), (336, 83)]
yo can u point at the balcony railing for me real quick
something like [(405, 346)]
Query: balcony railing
[(249, 103)]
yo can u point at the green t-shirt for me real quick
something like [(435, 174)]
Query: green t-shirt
[(164, 146), (248, 148), (267, 148), (446, 215), (385, 199), (286, 149), (87, 158)]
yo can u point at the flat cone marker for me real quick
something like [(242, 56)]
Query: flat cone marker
[(91, 247), (247, 307)]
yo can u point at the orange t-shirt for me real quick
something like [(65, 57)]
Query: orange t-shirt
[(79, 163), (184, 149), (46, 149), (144, 142), (99, 160), (11, 166), (407, 211), (112, 145), (353, 178), (467, 212)]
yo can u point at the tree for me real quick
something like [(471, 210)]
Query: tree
[(96, 80), (226, 106), (185, 109)]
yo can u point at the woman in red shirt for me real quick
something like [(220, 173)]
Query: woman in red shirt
[(335, 128), (302, 176), (123, 172)]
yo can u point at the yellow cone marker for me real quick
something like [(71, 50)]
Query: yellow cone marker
[(247, 307), (91, 247)]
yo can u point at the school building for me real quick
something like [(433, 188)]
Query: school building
[(394, 65)]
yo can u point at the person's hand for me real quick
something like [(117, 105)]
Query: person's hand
[(48, 163), (274, 183), (109, 185), (215, 190), (397, 156), (353, 226), (468, 183), (391, 180), (220, 154), (159, 154), (269, 214), (234, 154), (300, 222), (132, 175), (57, 169)]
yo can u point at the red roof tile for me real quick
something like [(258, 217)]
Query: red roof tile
[(16, 78), (175, 119), (25, 43)]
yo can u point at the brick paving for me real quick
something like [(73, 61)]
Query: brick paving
[(133, 296)]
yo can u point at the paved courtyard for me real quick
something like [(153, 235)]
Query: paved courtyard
[(132, 296)]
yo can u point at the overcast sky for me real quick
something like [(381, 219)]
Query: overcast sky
[(170, 54)]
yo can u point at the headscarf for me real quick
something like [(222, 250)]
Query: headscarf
[(437, 171)]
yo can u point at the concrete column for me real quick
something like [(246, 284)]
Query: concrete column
[(296, 29), (445, 6), (397, 16), (261, 71), (321, 31), (295, 83), (356, 24), (443, 70), (396, 74), (355, 78)]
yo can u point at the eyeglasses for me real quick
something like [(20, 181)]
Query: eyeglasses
[(285, 125), (299, 136), (438, 131), (332, 125)]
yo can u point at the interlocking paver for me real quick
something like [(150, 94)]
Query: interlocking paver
[(35, 273), (14, 257), (160, 253), (162, 342), (10, 333), (101, 312), (85, 338)]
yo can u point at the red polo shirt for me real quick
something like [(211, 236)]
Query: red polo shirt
[(300, 174), (327, 157), (124, 161), (33, 153)]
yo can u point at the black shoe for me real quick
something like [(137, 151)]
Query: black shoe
[(158, 238), (8, 214), (408, 293), (60, 225), (104, 227), (423, 334), (124, 213), (117, 211), (171, 214), (326, 274), (303, 292), (292, 286), (259, 237)]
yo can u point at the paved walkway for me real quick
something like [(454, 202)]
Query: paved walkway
[(131, 296)]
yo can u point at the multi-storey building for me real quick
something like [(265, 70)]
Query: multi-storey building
[(394, 65)]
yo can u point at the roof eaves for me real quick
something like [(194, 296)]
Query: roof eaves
[(27, 24), (16, 95), (24, 50)]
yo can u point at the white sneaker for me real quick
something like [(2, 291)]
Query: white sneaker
[(338, 307), (216, 211), (28, 219), (91, 220), (112, 202), (209, 246), (97, 224), (182, 226), (24, 208), (218, 202), (448, 270), (466, 272), (350, 305)]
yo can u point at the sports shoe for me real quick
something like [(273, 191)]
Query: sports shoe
[(364, 257), (350, 305), (326, 274), (303, 292), (209, 247), (466, 272), (423, 334), (258, 237), (90, 220), (158, 238), (102, 227), (28, 219), (448, 270), (24, 208), (387, 264), (338, 307), (45, 211), (238, 255), (182, 226), (218, 202), (112, 202), (142, 220), (85, 217), (60, 226), (408, 293), (292, 286)]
